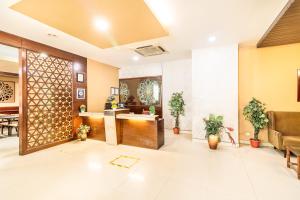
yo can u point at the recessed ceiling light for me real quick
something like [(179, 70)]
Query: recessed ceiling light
[(135, 58), (76, 66), (43, 55), (102, 24), (212, 38), (52, 35)]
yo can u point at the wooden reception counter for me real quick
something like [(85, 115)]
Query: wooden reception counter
[(120, 127), (141, 130)]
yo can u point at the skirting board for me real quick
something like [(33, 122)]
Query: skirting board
[(263, 144)]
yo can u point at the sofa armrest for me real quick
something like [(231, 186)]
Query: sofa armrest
[(275, 138)]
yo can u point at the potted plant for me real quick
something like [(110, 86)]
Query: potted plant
[(82, 132), (114, 104), (214, 128), (255, 113), (152, 110), (82, 108), (176, 105)]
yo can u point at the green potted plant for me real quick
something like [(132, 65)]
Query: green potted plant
[(82, 108), (176, 105), (82, 132), (214, 128), (255, 113), (152, 110)]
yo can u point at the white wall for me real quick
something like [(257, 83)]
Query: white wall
[(176, 76), (215, 87)]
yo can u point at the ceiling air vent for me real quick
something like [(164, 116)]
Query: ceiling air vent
[(150, 50)]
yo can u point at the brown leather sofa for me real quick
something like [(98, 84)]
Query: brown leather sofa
[(284, 129)]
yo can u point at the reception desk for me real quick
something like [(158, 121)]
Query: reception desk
[(141, 130), (119, 127)]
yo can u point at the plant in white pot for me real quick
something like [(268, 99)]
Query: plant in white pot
[(255, 113), (214, 128), (176, 105), (82, 132)]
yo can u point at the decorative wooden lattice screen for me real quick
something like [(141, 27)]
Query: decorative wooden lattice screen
[(49, 100)]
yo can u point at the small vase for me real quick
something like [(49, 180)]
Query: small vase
[(213, 141), (83, 136)]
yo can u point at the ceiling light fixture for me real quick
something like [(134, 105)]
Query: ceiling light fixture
[(43, 55), (102, 25), (212, 39), (76, 66), (135, 58)]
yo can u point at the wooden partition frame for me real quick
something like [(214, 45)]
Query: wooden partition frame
[(24, 44), (298, 75)]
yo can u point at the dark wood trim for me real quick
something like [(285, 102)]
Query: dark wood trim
[(9, 74), (9, 110), (298, 74), (143, 77)]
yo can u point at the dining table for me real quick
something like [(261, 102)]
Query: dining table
[(9, 118)]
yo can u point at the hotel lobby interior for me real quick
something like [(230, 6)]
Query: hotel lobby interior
[(149, 99)]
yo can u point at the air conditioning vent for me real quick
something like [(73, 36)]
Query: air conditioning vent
[(150, 50)]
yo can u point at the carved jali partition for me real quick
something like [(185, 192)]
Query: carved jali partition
[(49, 100)]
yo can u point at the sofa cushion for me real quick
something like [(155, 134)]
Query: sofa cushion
[(291, 141)]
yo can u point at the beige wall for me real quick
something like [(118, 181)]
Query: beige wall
[(270, 75), (100, 77), (16, 80)]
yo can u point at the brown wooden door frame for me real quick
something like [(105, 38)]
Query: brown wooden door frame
[(24, 44)]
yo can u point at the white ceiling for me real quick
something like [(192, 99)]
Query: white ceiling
[(189, 22)]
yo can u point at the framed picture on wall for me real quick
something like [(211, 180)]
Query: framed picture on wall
[(80, 77), (114, 91), (298, 78), (80, 93)]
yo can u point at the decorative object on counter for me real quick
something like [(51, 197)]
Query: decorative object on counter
[(108, 102), (124, 92), (146, 112), (82, 108), (114, 91), (80, 77), (176, 105), (121, 105), (255, 113), (152, 110), (82, 132), (148, 92), (114, 105), (7, 91), (214, 128), (80, 93)]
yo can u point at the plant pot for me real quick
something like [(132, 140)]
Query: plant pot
[(213, 141), (254, 143), (176, 130), (83, 136)]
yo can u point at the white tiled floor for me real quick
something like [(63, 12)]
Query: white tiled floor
[(182, 169)]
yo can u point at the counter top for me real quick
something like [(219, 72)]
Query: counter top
[(137, 117), (92, 114), (119, 109)]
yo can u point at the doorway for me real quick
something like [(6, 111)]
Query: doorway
[(9, 100)]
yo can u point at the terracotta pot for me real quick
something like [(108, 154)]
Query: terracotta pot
[(254, 143), (176, 130), (213, 141)]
